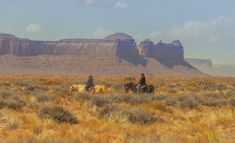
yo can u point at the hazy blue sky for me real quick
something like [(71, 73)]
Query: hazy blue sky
[(205, 27)]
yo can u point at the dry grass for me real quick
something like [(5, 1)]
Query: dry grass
[(182, 110)]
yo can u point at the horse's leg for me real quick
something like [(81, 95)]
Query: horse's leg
[(92, 90), (153, 90)]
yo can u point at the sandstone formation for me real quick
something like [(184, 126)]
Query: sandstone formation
[(168, 54), (116, 54), (113, 45), (200, 62), (207, 66), (160, 50)]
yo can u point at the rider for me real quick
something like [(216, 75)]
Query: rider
[(142, 82), (89, 83)]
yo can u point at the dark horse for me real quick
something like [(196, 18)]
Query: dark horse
[(133, 87)]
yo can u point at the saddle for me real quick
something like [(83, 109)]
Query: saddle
[(89, 88), (141, 87)]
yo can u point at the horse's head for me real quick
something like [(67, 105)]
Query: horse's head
[(130, 86)]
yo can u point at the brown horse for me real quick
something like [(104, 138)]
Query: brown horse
[(133, 87)]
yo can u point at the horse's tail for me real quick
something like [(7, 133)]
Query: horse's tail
[(151, 89), (125, 88)]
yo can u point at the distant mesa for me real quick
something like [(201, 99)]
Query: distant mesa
[(7, 36), (118, 36), (200, 62), (207, 66), (116, 54)]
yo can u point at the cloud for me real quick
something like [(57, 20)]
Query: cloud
[(205, 39), (33, 28), (155, 34), (88, 2), (120, 5), (106, 3), (102, 32), (211, 32)]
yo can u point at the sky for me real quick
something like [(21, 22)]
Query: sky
[(206, 28)]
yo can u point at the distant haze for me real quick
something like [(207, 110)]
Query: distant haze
[(205, 27)]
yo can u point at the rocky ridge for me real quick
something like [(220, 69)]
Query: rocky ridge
[(116, 54)]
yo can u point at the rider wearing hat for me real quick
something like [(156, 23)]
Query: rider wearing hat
[(89, 83), (142, 82)]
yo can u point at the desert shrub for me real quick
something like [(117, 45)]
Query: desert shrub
[(160, 97), (113, 113), (3, 104), (152, 138), (102, 100), (8, 121), (159, 83), (22, 83), (5, 83), (232, 101), (206, 85), (163, 108), (135, 115), (192, 101), (189, 101), (44, 98), (173, 85), (231, 93), (131, 99), (64, 89), (170, 101), (99, 101), (13, 103), (58, 114), (140, 116), (212, 101), (36, 139), (34, 87), (82, 96), (106, 110), (117, 86), (136, 99), (172, 91), (222, 87), (5, 94), (213, 95)]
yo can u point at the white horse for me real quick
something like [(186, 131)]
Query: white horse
[(97, 89)]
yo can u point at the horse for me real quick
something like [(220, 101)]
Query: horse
[(97, 89), (77, 88), (130, 86), (133, 87)]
